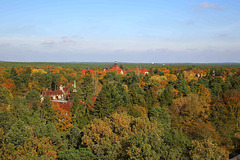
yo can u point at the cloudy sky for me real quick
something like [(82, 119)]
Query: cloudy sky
[(159, 31)]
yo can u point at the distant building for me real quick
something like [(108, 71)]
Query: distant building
[(58, 95), (85, 70), (116, 68), (141, 70), (54, 95), (116, 64)]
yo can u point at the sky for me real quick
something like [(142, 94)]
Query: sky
[(145, 31)]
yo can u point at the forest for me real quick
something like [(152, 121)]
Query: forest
[(149, 111)]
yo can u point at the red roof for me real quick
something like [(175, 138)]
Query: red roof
[(142, 70), (118, 70), (65, 106), (85, 70), (49, 92)]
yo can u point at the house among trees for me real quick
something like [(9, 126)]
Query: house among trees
[(116, 68), (54, 95), (61, 94), (141, 70), (60, 97), (85, 70)]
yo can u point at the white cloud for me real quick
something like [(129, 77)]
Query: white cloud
[(48, 42), (209, 5), (69, 39)]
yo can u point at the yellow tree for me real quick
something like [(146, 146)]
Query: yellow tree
[(206, 149), (99, 137), (63, 119), (188, 75), (37, 148), (124, 137), (232, 101), (189, 105), (205, 98)]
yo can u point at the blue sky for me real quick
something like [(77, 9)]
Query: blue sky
[(124, 30)]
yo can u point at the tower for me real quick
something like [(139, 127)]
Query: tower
[(74, 90), (115, 64)]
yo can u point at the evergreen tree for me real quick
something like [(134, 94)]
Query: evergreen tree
[(182, 87), (6, 96), (79, 113), (150, 98), (46, 111), (136, 95), (166, 98), (55, 80), (75, 154), (18, 133), (103, 106), (15, 77), (111, 96), (87, 86)]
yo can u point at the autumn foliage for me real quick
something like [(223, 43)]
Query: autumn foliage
[(131, 111)]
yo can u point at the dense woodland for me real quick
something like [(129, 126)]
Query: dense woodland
[(174, 112)]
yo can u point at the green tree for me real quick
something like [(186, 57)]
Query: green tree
[(79, 112), (18, 133), (103, 106), (150, 96), (87, 87), (178, 143), (6, 120), (15, 77), (6, 96), (224, 121), (131, 78), (136, 95), (166, 98), (110, 97), (77, 154), (74, 137), (46, 111), (160, 115), (33, 97), (48, 130), (206, 149), (182, 87), (56, 78)]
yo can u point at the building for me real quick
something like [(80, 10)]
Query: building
[(141, 70), (54, 95), (85, 70), (58, 95), (117, 69), (65, 90)]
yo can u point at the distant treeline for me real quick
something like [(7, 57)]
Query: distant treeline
[(94, 65)]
